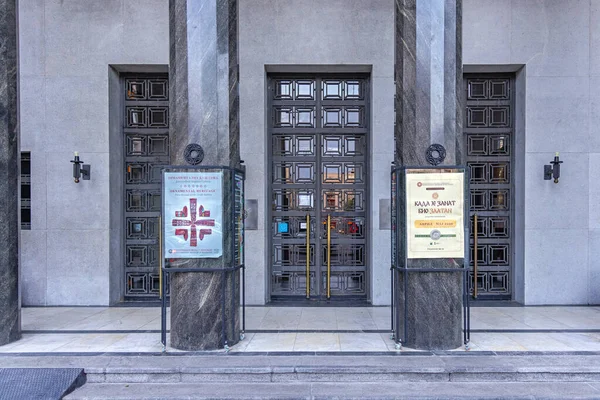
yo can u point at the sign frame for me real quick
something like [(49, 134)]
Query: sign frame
[(202, 197), (436, 212)]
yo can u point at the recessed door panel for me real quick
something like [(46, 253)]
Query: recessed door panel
[(318, 183), (146, 142)]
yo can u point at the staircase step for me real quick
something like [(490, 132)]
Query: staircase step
[(345, 390), (337, 374), (168, 369)]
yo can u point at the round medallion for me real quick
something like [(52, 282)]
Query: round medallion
[(193, 154), (435, 235), (435, 154)]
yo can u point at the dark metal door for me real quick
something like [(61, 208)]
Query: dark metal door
[(489, 131), (146, 131), (318, 129)]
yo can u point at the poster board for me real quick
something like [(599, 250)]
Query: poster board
[(435, 213), (193, 214)]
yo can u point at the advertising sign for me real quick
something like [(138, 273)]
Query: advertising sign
[(435, 214), (193, 214)]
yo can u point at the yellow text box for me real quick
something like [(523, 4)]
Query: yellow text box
[(435, 223)]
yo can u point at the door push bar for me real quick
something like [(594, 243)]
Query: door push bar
[(475, 234), (308, 256), (328, 257)]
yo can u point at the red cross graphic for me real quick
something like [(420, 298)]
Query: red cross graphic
[(193, 223)]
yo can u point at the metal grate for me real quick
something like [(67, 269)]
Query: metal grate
[(318, 129), (489, 131), (26, 190), (146, 131)]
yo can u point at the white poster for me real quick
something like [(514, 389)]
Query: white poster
[(434, 214), (193, 214)]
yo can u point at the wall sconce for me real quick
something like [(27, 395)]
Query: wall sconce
[(553, 171), (80, 169)]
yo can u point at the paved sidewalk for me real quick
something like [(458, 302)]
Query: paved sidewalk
[(305, 329)]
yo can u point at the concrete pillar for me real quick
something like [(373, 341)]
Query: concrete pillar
[(428, 75), (204, 103), (10, 306)]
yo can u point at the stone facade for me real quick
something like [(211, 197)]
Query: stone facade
[(66, 53), (65, 75)]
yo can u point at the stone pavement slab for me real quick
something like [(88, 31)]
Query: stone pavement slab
[(346, 390), (305, 329)]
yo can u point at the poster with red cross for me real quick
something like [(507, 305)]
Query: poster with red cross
[(193, 214)]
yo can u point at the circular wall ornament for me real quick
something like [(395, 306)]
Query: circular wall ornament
[(193, 154), (435, 154)]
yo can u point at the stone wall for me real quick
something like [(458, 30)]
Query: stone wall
[(66, 48), (558, 43)]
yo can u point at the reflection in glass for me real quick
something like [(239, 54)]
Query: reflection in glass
[(135, 173), (305, 90), (304, 145), (499, 200), (332, 146), (283, 173), (305, 117), (305, 200), (304, 173), (282, 145), (284, 117), (352, 117), (332, 90), (499, 173), (283, 89), (499, 145), (478, 172), (352, 90), (332, 174)]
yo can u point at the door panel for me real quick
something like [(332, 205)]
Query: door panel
[(318, 169), (146, 141), (489, 124)]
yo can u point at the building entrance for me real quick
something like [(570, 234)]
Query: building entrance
[(146, 138), (318, 130), (489, 128)]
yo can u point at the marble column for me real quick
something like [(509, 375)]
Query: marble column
[(429, 107), (204, 102), (10, 308)]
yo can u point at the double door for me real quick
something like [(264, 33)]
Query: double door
[(318, 182)]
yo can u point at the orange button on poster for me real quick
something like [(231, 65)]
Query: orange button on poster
[(435, 223)]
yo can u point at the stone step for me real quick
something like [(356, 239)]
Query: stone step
[(337, 390), (340, 374), (196, 369)]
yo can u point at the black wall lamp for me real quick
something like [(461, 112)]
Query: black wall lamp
[(80, 169), (553, 171)]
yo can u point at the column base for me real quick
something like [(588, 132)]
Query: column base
[(199, 307), (433, 310)]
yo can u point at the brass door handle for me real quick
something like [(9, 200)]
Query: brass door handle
[(475, 251), (328, 256), (307, 256)]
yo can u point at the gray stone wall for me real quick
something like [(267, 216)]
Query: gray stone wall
[(66, 48), (558, 42)]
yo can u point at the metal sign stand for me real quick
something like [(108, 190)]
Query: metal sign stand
[(399, 254), (236, 225)]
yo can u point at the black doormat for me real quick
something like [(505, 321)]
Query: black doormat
[(39, 383)]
